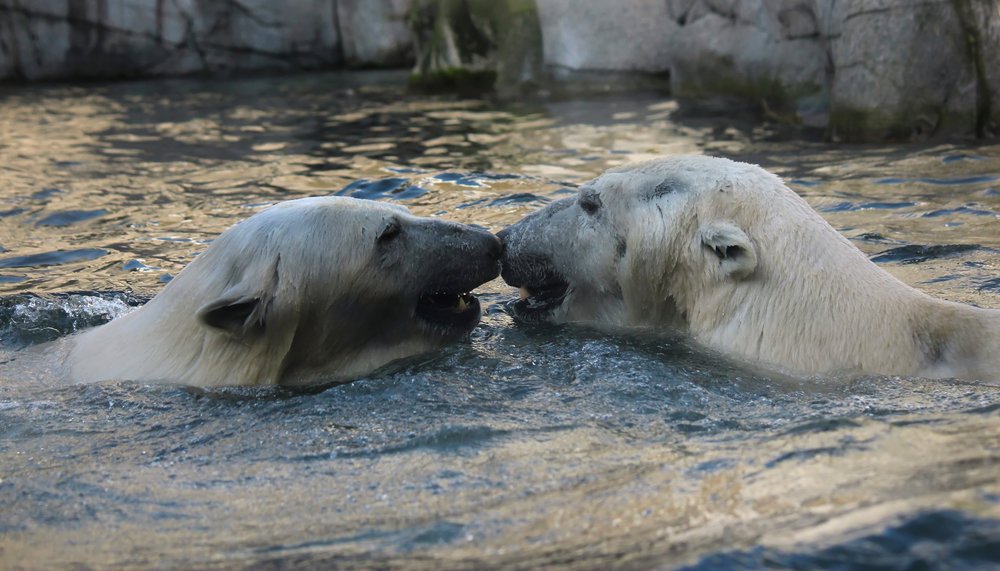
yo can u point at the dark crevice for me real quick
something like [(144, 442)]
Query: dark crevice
[(903, 7), (340, 52), (251, 15), (7, 20), (974, 45), (868, 12)]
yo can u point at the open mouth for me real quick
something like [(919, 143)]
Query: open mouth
[(448, 310), (537, 301)]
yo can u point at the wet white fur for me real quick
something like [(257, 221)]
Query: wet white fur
[(317, 258), (798, 296)]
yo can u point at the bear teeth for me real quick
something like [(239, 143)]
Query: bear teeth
[(525, 294)]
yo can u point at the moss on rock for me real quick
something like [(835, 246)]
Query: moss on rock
[(773, 98), (476, 44), (914, 123)]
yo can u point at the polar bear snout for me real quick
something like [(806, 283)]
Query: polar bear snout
[(456, 259), (529, 262), (528, 245), (456, 256)]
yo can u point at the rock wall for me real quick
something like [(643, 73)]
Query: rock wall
[(47, 39), (867, 69)]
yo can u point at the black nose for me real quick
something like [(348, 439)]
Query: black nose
[(503, 234), (495, 250), (485, 239)]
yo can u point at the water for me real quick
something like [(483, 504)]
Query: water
[(523, 447)]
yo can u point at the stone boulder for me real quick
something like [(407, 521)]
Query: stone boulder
[(758, 49), (907, 70)]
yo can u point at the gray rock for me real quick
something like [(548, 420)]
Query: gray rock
[(898, 69), (41, 39), (901, 70), (770, 50), (624, 35), (375, 32), (759, 48)]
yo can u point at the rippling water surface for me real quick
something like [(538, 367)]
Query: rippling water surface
[(523, 447)]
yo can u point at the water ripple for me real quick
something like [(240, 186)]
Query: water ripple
[(521, 446), (68, 217), (938, 539), (52, 258), (956, 181), (916, 253), (394, 188)]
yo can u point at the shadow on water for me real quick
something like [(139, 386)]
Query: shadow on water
[(523, 446), (923, 541)]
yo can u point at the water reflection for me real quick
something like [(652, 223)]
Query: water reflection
[(522, 447)]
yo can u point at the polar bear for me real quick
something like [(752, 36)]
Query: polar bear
[(726, 252), (314, 289)]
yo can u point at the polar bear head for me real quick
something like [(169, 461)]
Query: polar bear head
[(726, 252), (371, 268), (639, 242), (317, 287)]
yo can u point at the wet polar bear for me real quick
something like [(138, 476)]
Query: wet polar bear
[(727, 252), (312, 289)]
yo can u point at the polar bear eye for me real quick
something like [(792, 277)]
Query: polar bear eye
[(590, 202), (664, 188), (391, 230)]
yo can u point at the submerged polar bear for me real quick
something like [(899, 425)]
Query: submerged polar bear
[(727, 252), (310, 289)]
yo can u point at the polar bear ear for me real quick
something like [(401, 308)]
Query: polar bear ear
[(244, 306), (234, 314), (732, 247)]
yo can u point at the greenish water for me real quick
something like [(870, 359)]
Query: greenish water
[(522, 447)]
